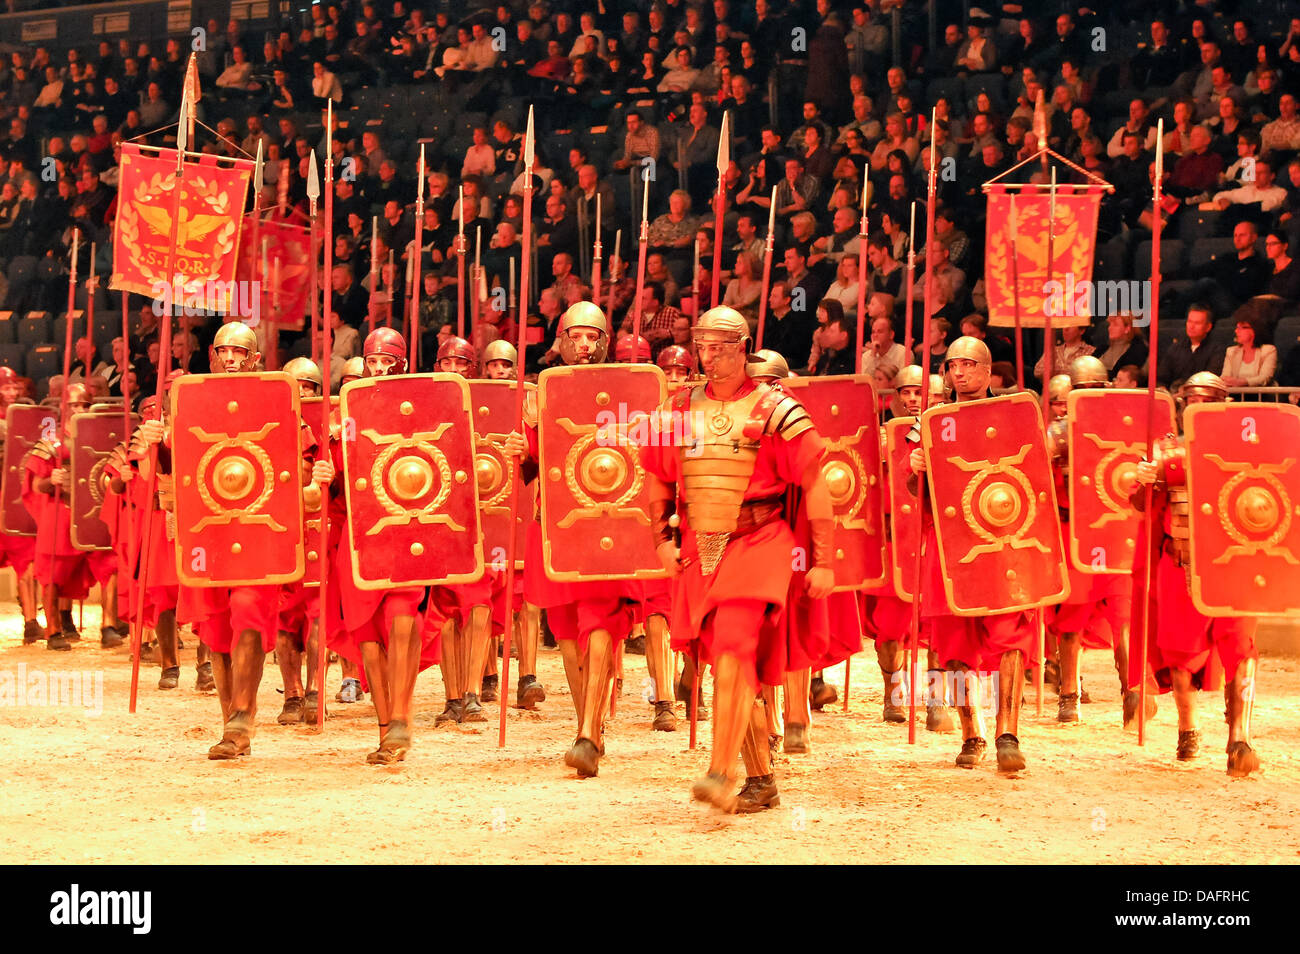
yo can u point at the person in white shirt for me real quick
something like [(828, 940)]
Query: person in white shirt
[(1137, 118), (1247, 364), (480, 158), (845, 287), (324, 84), (884, 349), (1263, 190)]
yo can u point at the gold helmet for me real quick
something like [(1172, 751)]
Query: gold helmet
[(1088, 372), (1205, 384), (304, 369), (583, 314), (353, 368), (500, 350), (909, 377), (768, 365), (77, 394), (724, 320), (937, 387), (235, 334), (1058, 387), (972, 349)]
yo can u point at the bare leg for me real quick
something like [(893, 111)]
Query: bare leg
[(798, 709), (478, 636), (108, 602), (1242, 759), (573, 672), (1011, 687), (1070, 647), (967, 691), (168, 657), (375, 659), (891, 656), (221, 675), (529, 622)]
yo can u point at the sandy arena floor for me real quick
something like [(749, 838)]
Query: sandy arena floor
[(81, 788)]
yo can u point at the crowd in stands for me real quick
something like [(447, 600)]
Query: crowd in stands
[(827, 101)]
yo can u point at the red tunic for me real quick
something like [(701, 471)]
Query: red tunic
[(756, 571)]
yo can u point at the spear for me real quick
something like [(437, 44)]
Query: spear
[(595, 257), (131, 542), (1144, 631), (176, 284), (462, 289), (862, 295), (67, 325), (911, 290), (322, 650), (525, 263), (720, 201), (695, 280), (768, 245), (313, 195), (1049, 354), (640, 264), (374, 270), (915, 633), (1013, 221), (615, 271), (257, 231), (91, 284), (413, 326)]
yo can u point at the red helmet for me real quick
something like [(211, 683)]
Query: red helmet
[(387, 341), (675, 356), (455, 347), (627, 345)]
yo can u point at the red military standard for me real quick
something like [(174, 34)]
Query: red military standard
[(742, 446)]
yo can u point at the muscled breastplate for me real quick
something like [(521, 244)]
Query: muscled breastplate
[(718, 457)]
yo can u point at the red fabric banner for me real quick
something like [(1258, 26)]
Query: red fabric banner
[(207, 240), (1065, 285), (283, 273)]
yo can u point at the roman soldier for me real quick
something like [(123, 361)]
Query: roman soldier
[(963, 643), (383, 628), (162, 589), (677, 364), (499, 359), (299, 611), (586, 617), (1183, 639), (1096, 613), (747, 443), (16, 550), (238, 623), (350, 689), (63, 571), (887, 617), (463, 611)]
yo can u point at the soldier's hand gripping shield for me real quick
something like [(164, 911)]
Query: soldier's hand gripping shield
[(994, 502), (1243, 484), (843, 409), (237, 469), (594, 493), (408, 463)]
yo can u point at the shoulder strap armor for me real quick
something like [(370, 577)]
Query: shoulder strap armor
[(777, 413)]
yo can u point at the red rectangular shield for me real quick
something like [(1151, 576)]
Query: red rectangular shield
[(94, 436), (843, 407), (25, 424), (1243, 481), (494, 421), (904, 526), (237, 476), (994, 503), (595, 498), (1107, 437), (408, 462)]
